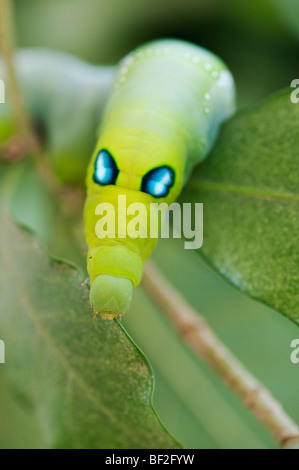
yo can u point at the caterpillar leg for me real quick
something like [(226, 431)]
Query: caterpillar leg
[(110, 295)]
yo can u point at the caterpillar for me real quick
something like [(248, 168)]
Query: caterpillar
[(154, 117), (168, 101)]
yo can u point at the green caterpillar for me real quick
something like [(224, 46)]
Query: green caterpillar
[(162, 118), (164, 111)]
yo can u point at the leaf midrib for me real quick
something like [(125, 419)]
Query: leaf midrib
[(249, 191)]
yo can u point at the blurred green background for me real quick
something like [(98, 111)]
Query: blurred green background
[(259, 41)]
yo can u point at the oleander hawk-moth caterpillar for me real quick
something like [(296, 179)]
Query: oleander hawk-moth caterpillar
[(163, 115), (158, 113)]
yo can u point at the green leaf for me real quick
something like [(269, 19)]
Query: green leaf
[(88, 383), (249, 187), (289, 10), (34, 207)]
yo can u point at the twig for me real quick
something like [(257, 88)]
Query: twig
[(25, 141), (198, 336)]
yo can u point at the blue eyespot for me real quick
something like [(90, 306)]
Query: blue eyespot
[(105, 169), (157, 182)]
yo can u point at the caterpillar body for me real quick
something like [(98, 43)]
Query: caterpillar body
[(163, 115), (160, 111)]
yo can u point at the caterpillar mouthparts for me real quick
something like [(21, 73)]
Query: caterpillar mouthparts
[(110, 295)]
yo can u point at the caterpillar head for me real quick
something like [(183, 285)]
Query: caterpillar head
[(111, 295)]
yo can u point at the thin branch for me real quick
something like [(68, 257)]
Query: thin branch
[(197, 334), (26, 140)]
